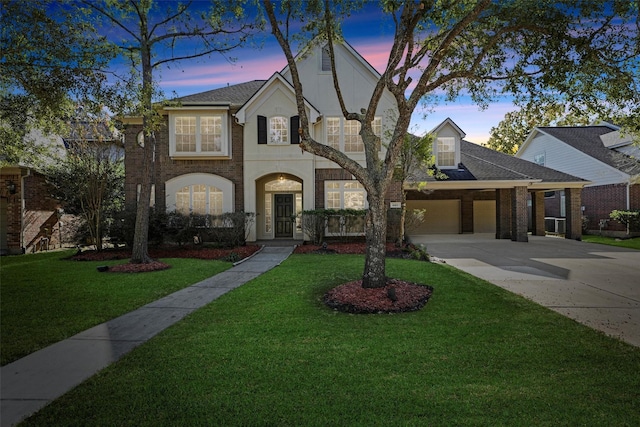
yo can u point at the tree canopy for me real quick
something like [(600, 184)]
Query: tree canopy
[(549, 50), (50, 59)]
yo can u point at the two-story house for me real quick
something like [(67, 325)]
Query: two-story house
[(236, 149)]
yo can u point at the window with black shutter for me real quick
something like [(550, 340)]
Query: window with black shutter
[(262, 130), (294, 125)]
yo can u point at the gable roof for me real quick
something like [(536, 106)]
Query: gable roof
[(482, 164), (451, 123), (318, 41), (276, 77), (587, 139), (487, 164), (233, 96)]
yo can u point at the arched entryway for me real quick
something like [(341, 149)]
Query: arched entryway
[(279, 204)]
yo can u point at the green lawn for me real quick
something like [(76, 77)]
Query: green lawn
[(44, 298), (270, 353), (626, 243)]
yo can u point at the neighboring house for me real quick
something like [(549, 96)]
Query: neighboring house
[(598, 154), (236, 149), (30, 218)]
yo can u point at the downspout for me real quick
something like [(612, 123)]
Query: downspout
[(23, 208)]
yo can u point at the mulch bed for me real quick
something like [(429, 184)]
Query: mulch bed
[(393, 250), (199, 252), (396, 297)]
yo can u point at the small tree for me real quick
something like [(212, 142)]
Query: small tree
[(630, 219), (415, 154), (89, 181)]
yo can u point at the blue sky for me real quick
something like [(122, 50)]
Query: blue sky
[(369, 35)]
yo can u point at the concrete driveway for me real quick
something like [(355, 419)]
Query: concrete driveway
[(597, 285)]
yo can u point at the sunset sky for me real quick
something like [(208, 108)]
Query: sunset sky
[(368, 35)]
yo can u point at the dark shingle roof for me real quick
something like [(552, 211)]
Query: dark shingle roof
[(235, 95), (587, 139), (484, 164)]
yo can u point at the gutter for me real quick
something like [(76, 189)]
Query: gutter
[(23, 207)]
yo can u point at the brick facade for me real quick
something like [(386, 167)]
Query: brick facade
[(167, 168), (599, 201), (32, 222)]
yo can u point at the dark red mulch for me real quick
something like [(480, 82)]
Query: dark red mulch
[(393, 251), (198, 252), (396, 297), (138, 268)]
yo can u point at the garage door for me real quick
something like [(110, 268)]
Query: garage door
[(484, 216), (440, 217)]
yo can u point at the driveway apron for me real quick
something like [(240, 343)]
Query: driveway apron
[(596, 285)]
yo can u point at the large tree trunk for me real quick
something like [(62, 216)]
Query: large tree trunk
[(140, 251), (374, 275)]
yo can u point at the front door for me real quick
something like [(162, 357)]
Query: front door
[(284, 212)]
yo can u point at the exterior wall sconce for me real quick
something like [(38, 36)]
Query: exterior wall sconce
[(10, 190)]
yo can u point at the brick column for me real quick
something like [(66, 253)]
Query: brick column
[(519, 215), (503, 213), (573, 205), (537, 210), (466, 203)]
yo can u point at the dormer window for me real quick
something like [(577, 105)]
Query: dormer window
[(446, 152)]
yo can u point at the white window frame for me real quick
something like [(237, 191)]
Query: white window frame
[(440, 143), (208, 190), (341, 146), (281, 135), (342, 188), (174, 185), (198, 153)]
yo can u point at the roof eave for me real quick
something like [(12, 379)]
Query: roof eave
[(470, 185), (548, 185)]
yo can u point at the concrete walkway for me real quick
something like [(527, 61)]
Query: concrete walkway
[(32, 382), (596, 285)]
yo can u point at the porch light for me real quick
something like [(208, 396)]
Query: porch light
[(11, 186), (281, 177)]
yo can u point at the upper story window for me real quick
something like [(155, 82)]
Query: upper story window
[(540, 159), (344, 135), (198, 135), (278, 130), (446, 152), (326, 59)]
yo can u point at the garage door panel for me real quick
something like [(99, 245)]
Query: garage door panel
[(484, 216), (440, 217)]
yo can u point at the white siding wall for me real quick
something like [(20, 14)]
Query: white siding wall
[(562, 157)]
